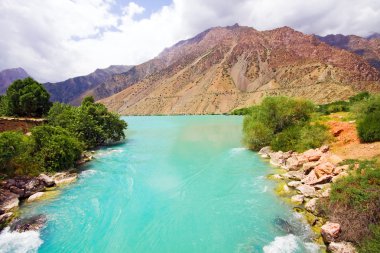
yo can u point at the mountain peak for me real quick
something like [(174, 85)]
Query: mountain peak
[(8, 76)]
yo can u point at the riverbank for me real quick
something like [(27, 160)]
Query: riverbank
[(305, 180), (17, 190)]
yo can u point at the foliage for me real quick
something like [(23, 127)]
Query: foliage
[(283, 123), (91, 122), (242, 111), (27, 98), (371, 244), (47, 147), (341, 105), (368, 119), (3, 106), (12, 145), (354, 202)]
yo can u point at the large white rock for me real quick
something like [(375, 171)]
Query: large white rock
[(311, 205), (35, 196), (297, 199), (307, 190), (341, 247), (330, 231)]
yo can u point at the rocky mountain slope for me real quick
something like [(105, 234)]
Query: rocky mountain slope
[(71, 90), (230, 67), (8, 76), (368, 48)]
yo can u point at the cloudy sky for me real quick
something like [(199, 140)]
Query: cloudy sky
[(57, 39)]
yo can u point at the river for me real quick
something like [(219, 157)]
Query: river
[(178, 184)]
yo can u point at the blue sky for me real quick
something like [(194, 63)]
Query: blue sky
[(58, 39)]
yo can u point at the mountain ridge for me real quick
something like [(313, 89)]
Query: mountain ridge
[(8, 76), (224, 68)]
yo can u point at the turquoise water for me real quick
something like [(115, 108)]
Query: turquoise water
[(178, 184)]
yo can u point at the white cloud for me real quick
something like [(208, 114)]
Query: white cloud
[(55, 40)]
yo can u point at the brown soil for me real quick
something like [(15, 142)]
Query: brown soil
[(346, 142)]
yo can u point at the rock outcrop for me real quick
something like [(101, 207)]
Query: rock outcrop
[(32, 223)]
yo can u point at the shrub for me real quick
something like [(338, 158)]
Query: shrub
[(91, 122), (368, 119), (256, 134), (54, 148), (27, 98), (284, 124), (12, 145)]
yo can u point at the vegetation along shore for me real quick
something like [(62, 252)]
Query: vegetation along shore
[(328, 159), (49, 151)]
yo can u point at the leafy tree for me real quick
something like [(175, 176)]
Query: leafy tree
[(27, 98), (54, 148), (12, 144), (368, 122), (91, 122)]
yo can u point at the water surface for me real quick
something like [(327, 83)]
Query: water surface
[(178, 184)]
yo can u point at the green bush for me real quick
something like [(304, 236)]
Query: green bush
[(256, 134), (12, 145), (54, 148), (27, 98), (283, 123), (91, 122), (368, 119)]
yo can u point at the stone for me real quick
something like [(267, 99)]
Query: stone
[(294, 184), (330, 231), (341, 247), (16, 190), (331, 158), (32, 223), (275, 177), (35, 196), (277, 158), (310, 178), (341, 175), (5, 217), (265, 151), (340, 169), (65, 178), (307, 190), (8, 201), (309, 166), (312, 155), (323, 169), (326, 193), (324, 148), (311, 205), (322, 180), (297, 199), (294, 175), (292, 164), (48, 181)]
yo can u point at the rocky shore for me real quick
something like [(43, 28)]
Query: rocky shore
[(305, 178), (15, 191)]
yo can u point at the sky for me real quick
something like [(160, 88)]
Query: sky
[(57, 39)]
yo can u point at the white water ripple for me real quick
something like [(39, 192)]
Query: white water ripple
[(16, 242)]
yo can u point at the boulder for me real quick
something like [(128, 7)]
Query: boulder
[(322, 180), (341, 247), (307, 190), (65, 178), (324, 148), (294, 175), (8, 201), (265, 151), (48, 181), (330, 231), (294, 184), (35, 196), (277, 158), (32, 223), (5, 217), (292, 164), (312, 155), (341, 175), (297, 199), (311, 205), (323, 169), (340, 169), (308, 167), (310, 178)]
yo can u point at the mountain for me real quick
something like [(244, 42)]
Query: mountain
[(71, 90), (368, 48), (8, 76), (231, 67)]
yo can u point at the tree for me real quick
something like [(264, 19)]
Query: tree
[(27, 98)]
